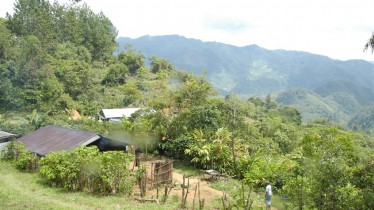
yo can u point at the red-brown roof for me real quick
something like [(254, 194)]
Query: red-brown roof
[(54, 138)]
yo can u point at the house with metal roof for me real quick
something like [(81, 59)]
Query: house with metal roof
[(115, 115), (54, 138)]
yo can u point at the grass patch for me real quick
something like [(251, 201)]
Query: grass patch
[(186, 168), (20, 190), (24, 191), (280, 203), (233, 188)]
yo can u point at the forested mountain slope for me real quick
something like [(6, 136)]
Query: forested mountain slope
[(344, 87), (251, 69)]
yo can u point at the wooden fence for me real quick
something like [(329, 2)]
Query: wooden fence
[(162, 173)]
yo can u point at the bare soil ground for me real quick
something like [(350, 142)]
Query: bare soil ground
[(206, 192)]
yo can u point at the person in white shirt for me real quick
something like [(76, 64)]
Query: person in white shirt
[(268, 194)]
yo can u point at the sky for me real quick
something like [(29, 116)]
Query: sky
[(338, 29)]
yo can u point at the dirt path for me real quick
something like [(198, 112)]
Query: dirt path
[(206, 192)]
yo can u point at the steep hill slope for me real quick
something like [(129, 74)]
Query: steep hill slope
[(338, 106)]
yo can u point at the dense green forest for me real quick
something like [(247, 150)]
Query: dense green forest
[(55, 58)]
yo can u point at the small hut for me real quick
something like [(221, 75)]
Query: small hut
[(115, 115)]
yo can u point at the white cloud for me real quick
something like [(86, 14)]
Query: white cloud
[(336, 28)]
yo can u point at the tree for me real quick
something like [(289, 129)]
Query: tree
[(29, 80), (74, 75), (33, 17), (131, 94), (330, 154), (235, 110), (160, 64), (221, 154), (200, 149), (370, 44), (192, 91), (116, 75), (269, 104), (8, 46), (298, 190), (73, 23), (79, 25), (134, 61), (6, 42)]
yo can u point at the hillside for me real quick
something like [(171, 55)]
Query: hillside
[(62, 61), (252, 70), (338, 106)]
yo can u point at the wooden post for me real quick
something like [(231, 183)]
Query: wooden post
[(224, 199), (165, 193), (185, 192), (157, 191), (183, 189), (151, 175), (194, 197), (198, 194), (188, 190)]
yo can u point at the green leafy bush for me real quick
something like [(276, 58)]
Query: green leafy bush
[(23, 159), (175, 147), (87, 169), (114, 174), (11, 151)]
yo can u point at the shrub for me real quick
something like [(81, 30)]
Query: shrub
[(11, 151), (23, 159), (175, 147), (114, 175), (87, 169)]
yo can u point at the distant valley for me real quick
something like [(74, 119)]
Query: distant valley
[(320, 87)]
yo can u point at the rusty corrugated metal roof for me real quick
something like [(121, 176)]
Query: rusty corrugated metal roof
[(54, 138)]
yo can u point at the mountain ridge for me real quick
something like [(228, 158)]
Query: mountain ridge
[(255, 71)]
